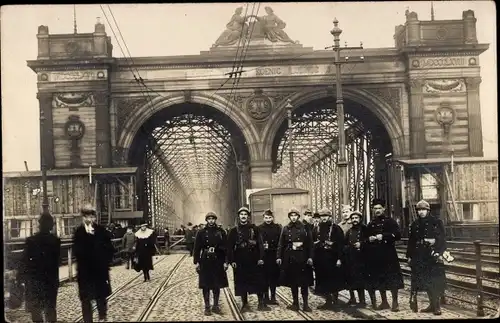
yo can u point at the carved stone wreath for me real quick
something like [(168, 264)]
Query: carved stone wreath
[(73, 100), (444, 86)]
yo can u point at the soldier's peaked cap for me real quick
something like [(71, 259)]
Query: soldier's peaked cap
[(268, 212), (244, 208), (325, 211), (210, 215), (307, 211), (316, 215), (294, 210)]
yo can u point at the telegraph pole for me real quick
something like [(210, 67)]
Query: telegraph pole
[(45, 201), (342, 160)]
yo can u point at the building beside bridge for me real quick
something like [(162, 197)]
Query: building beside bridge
[(167, 141)]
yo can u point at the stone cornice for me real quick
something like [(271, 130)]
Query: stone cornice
[(66, 65), (449, 50)]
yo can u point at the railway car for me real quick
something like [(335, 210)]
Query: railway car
[(279, 200)]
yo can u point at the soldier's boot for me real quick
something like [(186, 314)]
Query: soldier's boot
[(352, 298), (373, 299), (437, 306), (208, 312), (413, 302), (206, 300), (273, 300), (361, 296), (395, 304), (430, 308), (262, 304), (266, 297), (215, 307), (295, 295), (385, 304), (328, 303), (244, 306), (305, 299)]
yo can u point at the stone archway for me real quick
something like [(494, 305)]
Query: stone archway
[(141, 114), (378, 107)]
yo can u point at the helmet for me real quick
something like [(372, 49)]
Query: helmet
[(210, 215), (423, 205), (325, 211), (244, 208), (294, 210)]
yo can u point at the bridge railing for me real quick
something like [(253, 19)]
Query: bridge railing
[(475, 257)]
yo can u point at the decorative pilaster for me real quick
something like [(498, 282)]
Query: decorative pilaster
[(474, 111), (261, 173), (103, 138), (417, 127), (46, 133)]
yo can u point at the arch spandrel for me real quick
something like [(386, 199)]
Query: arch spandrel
[(377, 106), (144, 112)]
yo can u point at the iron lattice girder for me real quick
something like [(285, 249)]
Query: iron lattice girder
[(195, 150), (324, 152)]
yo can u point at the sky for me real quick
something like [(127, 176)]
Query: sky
[(187, 29)]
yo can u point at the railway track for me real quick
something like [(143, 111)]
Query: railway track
[(121, 289), (287, 301), (162, 289), (467, 257), (233, 305)]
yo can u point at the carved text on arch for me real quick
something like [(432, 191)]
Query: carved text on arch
[(73, 100), (444, 86), (125, 107), (391, 96)]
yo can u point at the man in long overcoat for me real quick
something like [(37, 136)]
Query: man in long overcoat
[(355, 259), (426, 245), (270, 233), (383, 262), (308, 219), (210, 258), (40, 271), (295, 256), (328, 246), (246, 256), (94, 251)]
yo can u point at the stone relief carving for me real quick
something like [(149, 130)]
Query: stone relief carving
[(73, 100), (444, 86), (259, 106), (473, 82), (240, 29), (390, 96), (125, 107)]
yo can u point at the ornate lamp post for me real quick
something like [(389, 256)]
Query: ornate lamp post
[(342, 160), (289, 109), (45, 201)]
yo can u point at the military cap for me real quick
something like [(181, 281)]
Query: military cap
[(378, 201), (316, 215), (423, 205), (325, 211), (356, 212), (307, 211), (294, 210), (210, 215), (268, 212)]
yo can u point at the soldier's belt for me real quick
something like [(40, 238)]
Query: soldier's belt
[(210, 249)]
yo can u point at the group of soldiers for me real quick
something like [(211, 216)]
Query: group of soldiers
[(321, 254)]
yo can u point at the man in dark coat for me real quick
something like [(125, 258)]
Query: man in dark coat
[(93, 250), (246, 256), (355, 259), (328, 240), (294, 255), (426, 245), (308, 219), (128, 246), (40, 271), (383, 262), (270, 232), (210, 258)]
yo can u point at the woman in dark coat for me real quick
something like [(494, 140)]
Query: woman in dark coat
[(209, 256), (426, 245), (40, 271), (94, 251), (328, 240), (294, 255), (145, 249), (355, 258)]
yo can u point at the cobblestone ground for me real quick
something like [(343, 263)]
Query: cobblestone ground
[(68, 302)]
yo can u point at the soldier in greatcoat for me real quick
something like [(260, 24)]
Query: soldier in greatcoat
[(270, 233), (328, 246), (426, 245), (308, 219), (209, 256), (382, 257), (295, 256), (355, 259), (40, 271), (246, 255), (93, 251)]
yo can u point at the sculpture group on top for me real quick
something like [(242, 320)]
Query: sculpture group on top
[(240, 29)]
